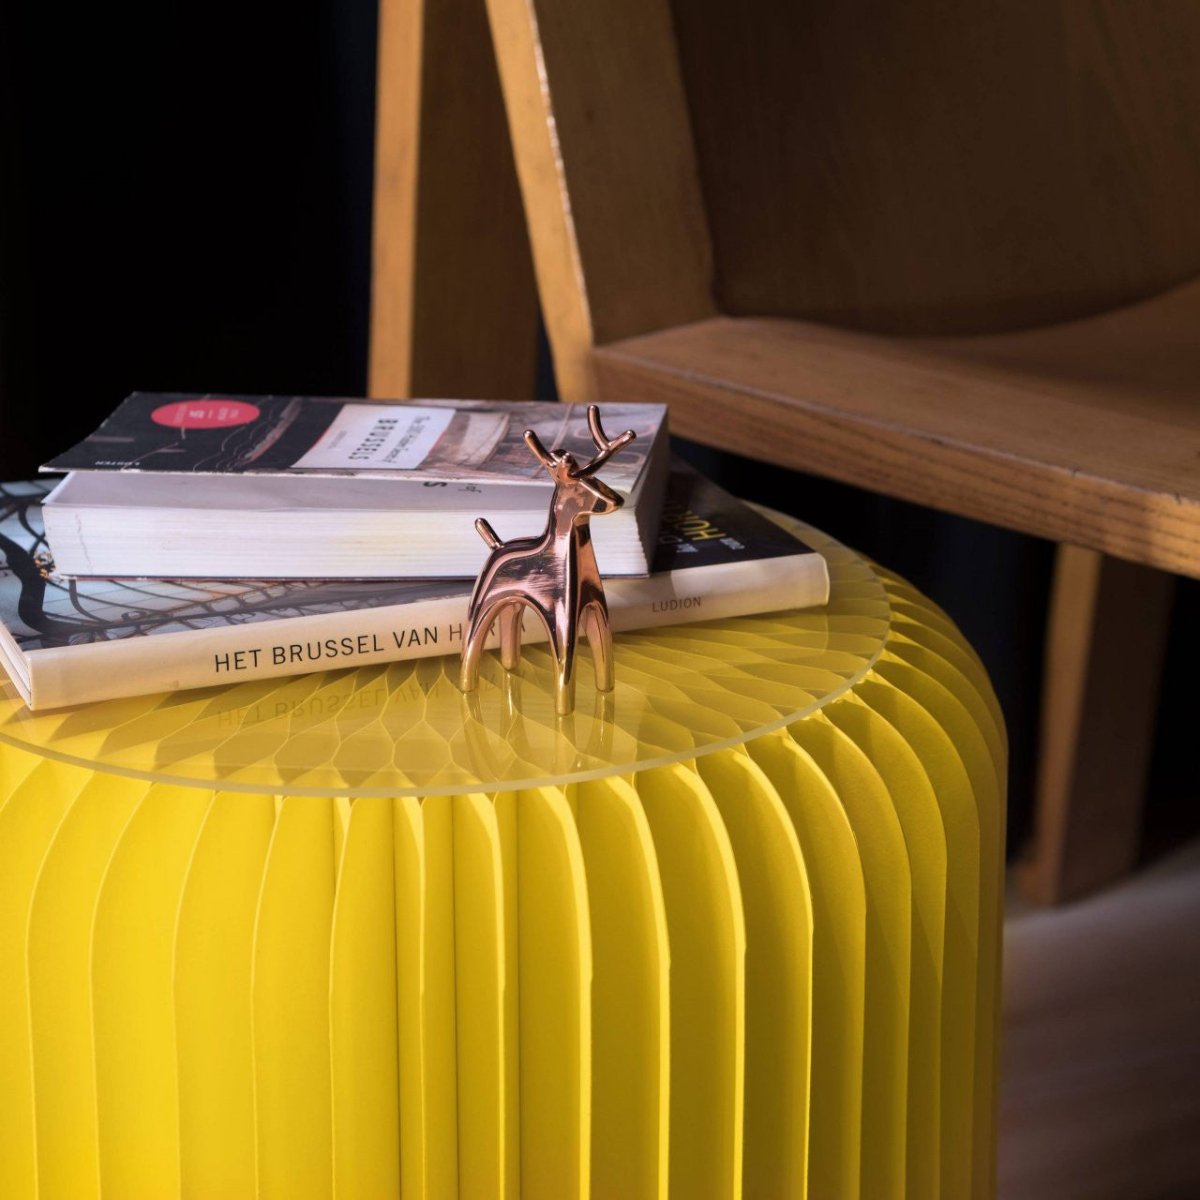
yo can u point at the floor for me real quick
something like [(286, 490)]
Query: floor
[(1100, 1093)]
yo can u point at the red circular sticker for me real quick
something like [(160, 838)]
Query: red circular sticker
[(207, 413)]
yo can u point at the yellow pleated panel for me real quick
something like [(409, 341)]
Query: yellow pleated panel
[(555, 963), (987, 785), (402, 695), (341, 828), (92, 730), (480, 968), (965, 688), (411, 926), (904, 598), (184, 734), (364, 1062), (947, 661), (133, 985), (921, 622), (779, 927), (313, 734), (630, 992), (15, 766), (439, 1032), (960, 962), (971, 710), (839, 905), (60, 986), (292, 1101), (925, 841), (970, 686), (117, 726), (505, 805), (888, 884), (438, 736), (979, 697), (255, 740), (912, 622), (910, 608), (29, 818), (365, 747), (214, 947), (706, 928)]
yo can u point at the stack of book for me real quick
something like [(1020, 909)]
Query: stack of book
[(198, 540)]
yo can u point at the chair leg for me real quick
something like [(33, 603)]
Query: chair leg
[(1104, 656), (453, 303)]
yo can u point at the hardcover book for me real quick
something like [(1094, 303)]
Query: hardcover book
[(68, 641), (300, 487)]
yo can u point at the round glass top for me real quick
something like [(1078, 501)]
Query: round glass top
[(406, 729)]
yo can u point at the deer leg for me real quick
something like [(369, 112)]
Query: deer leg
[(563, 644), (599, 636), (510, 636), (468, 673)]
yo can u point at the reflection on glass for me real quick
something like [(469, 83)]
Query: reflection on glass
[(405, 728)]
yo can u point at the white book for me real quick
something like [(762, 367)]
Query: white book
[(295, 487)]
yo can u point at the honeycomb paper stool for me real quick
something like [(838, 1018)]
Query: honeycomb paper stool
[(734, 927)]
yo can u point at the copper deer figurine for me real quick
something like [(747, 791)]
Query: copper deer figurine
[(554, 574)]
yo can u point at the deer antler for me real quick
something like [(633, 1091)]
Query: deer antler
[(606, 448), (548, 460)]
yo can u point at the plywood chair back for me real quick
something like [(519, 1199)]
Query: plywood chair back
[(922, 169)]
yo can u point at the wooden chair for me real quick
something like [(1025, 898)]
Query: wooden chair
[(947, 253)]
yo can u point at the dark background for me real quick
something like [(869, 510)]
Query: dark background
[(185, 195), (186, 206)]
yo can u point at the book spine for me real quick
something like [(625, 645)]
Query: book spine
[(422, 629)]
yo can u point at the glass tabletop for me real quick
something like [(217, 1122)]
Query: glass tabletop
[(406, 729)]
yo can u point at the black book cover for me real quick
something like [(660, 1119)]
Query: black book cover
[(152, 431), (434, 440)]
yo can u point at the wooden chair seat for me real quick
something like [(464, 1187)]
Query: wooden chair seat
[(1086, 432)]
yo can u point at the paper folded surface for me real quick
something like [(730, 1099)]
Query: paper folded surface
[(770, 968)]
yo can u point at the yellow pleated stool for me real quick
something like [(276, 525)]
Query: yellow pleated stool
[(732, 930)]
